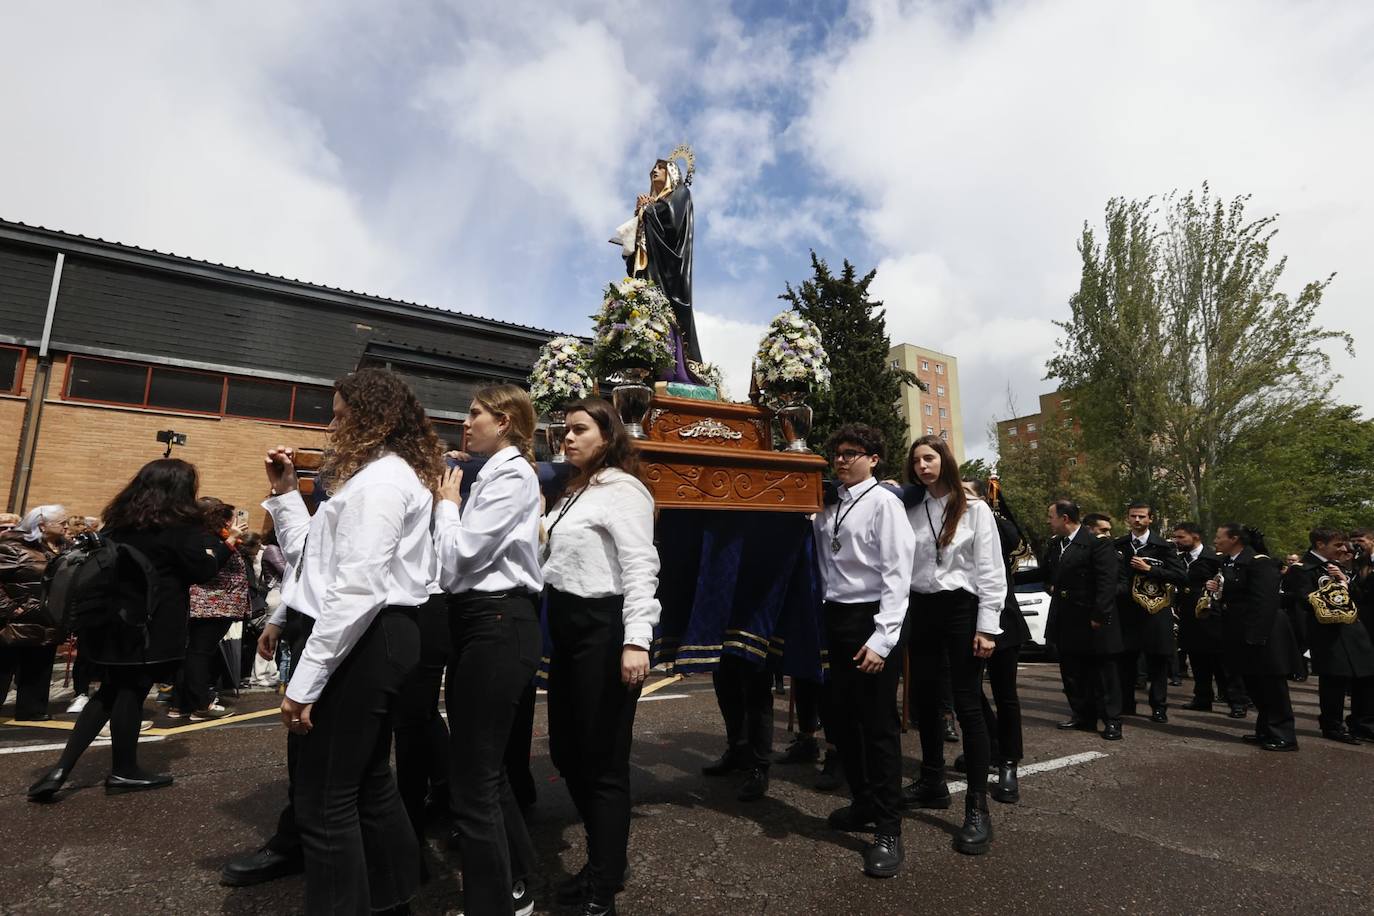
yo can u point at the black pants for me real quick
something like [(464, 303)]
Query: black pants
[(744, 693), (1273, 708), (863, 711), (1331, 694), (496, 648), (119, 701), (1157, 674), (30, 667), (203, 636), (360, 849), (287, 840), (519, 749), (83, 672), (422, 738), (1004, 727), (1092, 685), (943, 623), (591, 726), (813, 706), (1210, 668)]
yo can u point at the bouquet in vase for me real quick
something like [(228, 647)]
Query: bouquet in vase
[(633, 329), (791, 358), (562, 373)]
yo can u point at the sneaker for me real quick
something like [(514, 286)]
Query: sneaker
[(142, 727), (524, 899), (78, 703), (164, 693), (175, 713), (210, 713)]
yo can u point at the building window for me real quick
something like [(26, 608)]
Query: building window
[(896, 364), (110, 382), (930, 430), (1030, 427), (929, 410), (179, 389), (313, 405), (1034, 444), (944, 434), (450, 433), (925, 365), (258, 400), (1068, 422), (1012, 431), (1072, 461), (939, 369), (11, 369), (939, 391), (944, 412)]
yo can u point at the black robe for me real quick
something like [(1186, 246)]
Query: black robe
[(668, 234)]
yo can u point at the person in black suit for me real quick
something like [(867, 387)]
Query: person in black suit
[(1201, 636), (1342, 651), (1362, 591), (1257, 638), (1081, 573), (1150, 573)]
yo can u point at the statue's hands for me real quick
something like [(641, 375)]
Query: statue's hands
[(641, 201)]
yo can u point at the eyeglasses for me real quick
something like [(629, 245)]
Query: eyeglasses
[(849, 454)]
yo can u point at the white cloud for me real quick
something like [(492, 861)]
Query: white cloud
[(730, 343), (979, 146)]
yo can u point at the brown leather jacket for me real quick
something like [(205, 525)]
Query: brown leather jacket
[(24, 618)]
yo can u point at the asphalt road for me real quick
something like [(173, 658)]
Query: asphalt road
[(1177, 818)]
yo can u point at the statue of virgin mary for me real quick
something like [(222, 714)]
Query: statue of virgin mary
[(657, 245)]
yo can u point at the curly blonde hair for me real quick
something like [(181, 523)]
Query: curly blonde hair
[(383, 416)]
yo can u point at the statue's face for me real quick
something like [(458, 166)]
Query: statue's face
[(658, 175)]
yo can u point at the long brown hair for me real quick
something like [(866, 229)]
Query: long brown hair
[(619, 451), (513, 403), (383, 416), (162, 494), (957, 503)]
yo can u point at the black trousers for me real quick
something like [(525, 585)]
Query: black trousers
[(287, 839), (497, 643), (519, 749), (1331, 694), (1157, 674), (360, 849), (1092, 685), (193, 682), (813, 706), (119, 701), (939, 624), (421, 735), (867, 727), (591, 726), (744, 693), (1210, 668), (30, 668), (1273, 707), (83, 672), (1004, 727)]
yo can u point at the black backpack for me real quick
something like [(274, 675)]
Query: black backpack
[(84, 586)]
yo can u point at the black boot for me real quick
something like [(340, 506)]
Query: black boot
[(1008, 789), (726, 765), (975, 836), (803, 749), (755, 785), (930, 791), (46, 788), (883, 857), (832, 774)]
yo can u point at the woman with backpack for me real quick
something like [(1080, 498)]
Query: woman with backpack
[(28, 634), (136, 630)]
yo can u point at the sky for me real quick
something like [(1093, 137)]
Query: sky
[(477, 155)]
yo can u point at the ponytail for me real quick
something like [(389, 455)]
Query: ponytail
[(513, 403)]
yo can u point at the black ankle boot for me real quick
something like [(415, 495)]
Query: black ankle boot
[(930, 791), (975, 836), (1008, 789)]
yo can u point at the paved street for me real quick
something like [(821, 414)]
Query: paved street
[(1178, 818)]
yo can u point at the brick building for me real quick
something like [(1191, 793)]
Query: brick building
[(102, 346), (1055, 408), (934, 411)]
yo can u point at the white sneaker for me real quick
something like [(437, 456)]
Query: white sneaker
[(142, 726), (78, 703)]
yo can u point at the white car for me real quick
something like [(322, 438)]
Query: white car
[(1034, 601)]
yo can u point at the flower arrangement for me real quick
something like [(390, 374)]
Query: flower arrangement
[(791, 357), (562, 373), (712, 375), (633, 328)]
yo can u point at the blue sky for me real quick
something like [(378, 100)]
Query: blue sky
[(476, 155)]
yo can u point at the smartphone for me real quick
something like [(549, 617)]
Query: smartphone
[(241, 517)]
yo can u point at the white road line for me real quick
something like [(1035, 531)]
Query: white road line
[(1044, 766), (98, 742), (664, 696)]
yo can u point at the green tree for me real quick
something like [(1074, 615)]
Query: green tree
[(1180, 347), (1034, 475), (975, 469), (864, 386)]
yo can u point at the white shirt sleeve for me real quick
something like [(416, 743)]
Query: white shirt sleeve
[(898, 548), (989, 574), (291, 522), (630, 521), (471, 541), (365, 541)]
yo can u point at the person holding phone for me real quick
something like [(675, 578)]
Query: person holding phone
[(488, 547), (359, 568)]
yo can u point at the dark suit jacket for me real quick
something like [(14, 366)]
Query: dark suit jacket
[(1338, 649), (1257, 637), (1015, 632), (1140, 630), (1200, 636), (1082, 585)]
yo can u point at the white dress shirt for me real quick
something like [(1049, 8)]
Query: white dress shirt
[(972, 561), (368, 546), (492, 545), (874, 559), (604, 545)]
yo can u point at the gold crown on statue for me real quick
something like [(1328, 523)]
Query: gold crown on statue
[(684, 152)]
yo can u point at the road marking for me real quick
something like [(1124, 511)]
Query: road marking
[(665, 696), (659, 685), (98, 742), (169, 730), (1043, 766)]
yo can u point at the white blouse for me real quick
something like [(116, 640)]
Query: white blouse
[(367, 547), (604, 545), (492, 545), (972, 561)]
